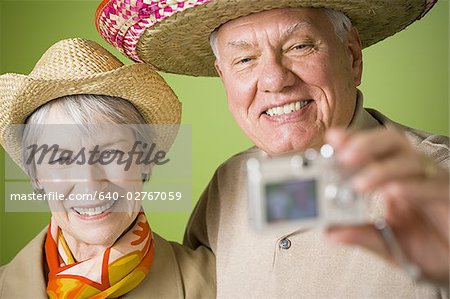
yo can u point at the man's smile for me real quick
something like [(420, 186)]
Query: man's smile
[(287, 108)]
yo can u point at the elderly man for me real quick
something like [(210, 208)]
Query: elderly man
[(291, 74)]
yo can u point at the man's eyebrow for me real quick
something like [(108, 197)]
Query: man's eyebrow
[(295, 27), (241, 44)]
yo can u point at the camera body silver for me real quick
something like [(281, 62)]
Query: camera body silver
[(302, 190)]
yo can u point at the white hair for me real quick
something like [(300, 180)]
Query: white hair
[(84, 108), (341, 23)]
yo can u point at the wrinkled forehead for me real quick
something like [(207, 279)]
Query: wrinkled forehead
[(275, 20)]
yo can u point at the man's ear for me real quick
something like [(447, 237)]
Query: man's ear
[(355, 48), (217, 67)]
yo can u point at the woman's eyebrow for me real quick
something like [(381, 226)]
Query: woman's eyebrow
[(114, 142)]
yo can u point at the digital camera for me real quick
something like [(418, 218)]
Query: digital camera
[(302, 190)]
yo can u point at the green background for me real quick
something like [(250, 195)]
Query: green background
[(405, 77)]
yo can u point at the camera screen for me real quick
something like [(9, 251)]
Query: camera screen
[(291, 200)]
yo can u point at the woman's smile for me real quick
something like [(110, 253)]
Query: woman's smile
[(94, 211)]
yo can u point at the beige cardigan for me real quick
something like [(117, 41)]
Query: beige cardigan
[(253, 265), (176, 272)]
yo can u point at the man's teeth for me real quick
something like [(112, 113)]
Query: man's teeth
[(288, 108), (94, 211)]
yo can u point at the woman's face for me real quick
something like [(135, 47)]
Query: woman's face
[(96, 210)]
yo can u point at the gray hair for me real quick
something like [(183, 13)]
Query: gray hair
[(83, 109), (341, 23)]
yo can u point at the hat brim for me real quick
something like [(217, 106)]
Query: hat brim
[(139, 84), (180, 43)]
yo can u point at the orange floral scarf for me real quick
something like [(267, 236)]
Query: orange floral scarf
[(118, 270)]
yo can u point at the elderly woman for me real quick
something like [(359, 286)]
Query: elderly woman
[(103, 247)]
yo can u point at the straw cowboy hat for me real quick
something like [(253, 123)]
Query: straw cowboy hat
[(79, 66), (173, 35)]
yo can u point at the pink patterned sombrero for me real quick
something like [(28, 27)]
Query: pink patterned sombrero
[(173, 35), (122, 23)]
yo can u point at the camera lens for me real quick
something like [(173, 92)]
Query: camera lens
[(342, 196), (345, 197)]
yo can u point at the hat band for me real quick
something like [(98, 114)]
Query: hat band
[(122, 22)]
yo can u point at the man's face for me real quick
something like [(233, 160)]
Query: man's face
[(288, 77)]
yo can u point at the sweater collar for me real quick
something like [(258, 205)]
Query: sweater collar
[(362, 119)]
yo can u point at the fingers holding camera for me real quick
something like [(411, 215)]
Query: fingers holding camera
[(356, 149), (378, 173), (411, 200), (394, 170), (383, 156), (415, 191)]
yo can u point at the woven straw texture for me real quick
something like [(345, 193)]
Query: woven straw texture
[(175, 37), (122, 22), (79, 66)]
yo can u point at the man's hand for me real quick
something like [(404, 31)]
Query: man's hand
[(415, 191)]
